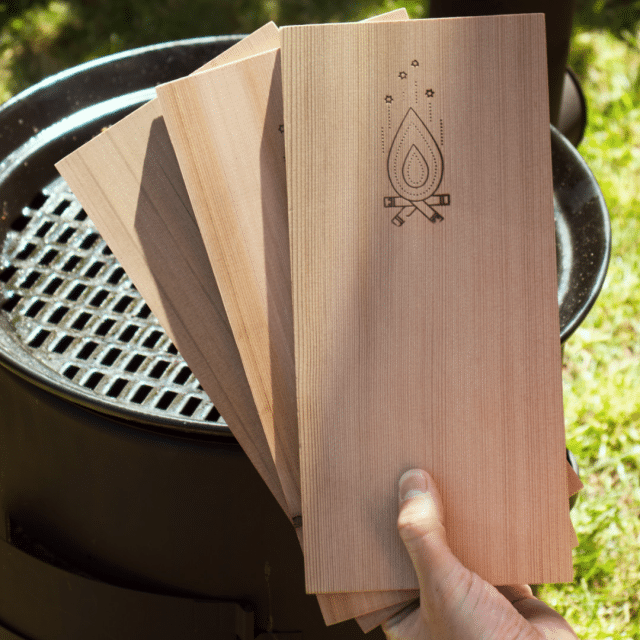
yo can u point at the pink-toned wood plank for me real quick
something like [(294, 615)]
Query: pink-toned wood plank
[(425, 295), (225, 126)]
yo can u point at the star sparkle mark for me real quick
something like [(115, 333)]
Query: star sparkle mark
[(281, 128), (402, 75), (429, 93), (388, 99), (415, 63)]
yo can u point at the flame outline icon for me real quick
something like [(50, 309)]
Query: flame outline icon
[(415, 167)]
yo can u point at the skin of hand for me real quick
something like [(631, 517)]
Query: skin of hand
[(455, 603)]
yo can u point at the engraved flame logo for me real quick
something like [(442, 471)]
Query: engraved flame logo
[(415, 160)]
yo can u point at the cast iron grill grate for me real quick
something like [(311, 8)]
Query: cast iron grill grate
[(76, 311)]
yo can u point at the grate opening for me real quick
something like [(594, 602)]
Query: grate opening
[(135, 363), (128, 333), (71, 372), (213, 415), (89, 241), (166, 399), (87, 350), (58, 278), (183, 375), (48, 257), (99, 298), (58, 314), (122, 304), (30, 280), (61, 208), (8, 273), (63, 344), (53, 286), (26, 251), (144, 312), (43, 229), (65, 236), (116, 388), (116, 276), (93, 270), (93, 380), (35, 309), (81, 321), (190, 407), (152, 340), (141, 394), (76, 292), (159, 369), (71, 264), (11, 303), (39, 338), (111, 357), (20, 223), (104, 327)]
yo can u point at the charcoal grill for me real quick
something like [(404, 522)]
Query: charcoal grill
[(115, 466)]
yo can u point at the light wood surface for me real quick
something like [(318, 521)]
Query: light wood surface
[(225, 126), (425, 295)]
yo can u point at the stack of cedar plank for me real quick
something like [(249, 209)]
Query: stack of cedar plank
[(347, 230)]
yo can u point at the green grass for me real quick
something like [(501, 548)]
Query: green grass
[(602, 359)]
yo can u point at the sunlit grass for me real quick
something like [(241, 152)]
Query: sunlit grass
[(32, 38), (602, 360)]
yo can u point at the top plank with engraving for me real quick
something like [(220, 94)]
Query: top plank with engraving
[(424, 291)]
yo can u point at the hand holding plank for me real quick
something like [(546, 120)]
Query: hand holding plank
[(456, 603)]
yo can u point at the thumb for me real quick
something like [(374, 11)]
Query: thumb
[(421, 527), (454, 601)]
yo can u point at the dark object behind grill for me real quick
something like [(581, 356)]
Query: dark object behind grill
[(116, 469)]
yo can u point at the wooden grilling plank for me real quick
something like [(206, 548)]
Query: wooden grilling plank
[(153, 237), (424, 294)]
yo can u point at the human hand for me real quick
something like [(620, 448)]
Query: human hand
[(455, 603)]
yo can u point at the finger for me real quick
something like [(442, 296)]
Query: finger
[(538, 613), (515, 592), (545, 619)]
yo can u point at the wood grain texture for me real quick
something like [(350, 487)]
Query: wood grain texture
[(129, 182), (226, 129), (425, 295)]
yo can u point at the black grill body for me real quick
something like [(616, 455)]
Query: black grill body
[(129, 510)]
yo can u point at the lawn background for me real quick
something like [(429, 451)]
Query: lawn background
[(601, 360)]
